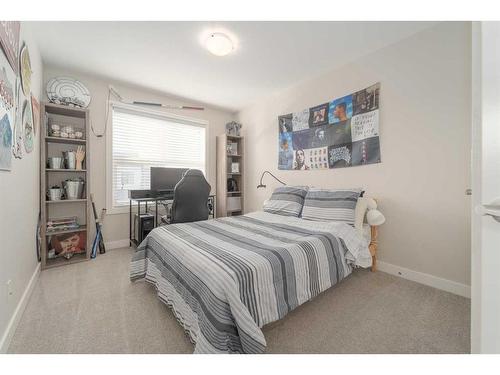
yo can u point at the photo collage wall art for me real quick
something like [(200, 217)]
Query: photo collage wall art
[(341, 133)]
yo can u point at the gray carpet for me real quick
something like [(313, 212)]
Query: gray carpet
[(92, 307)]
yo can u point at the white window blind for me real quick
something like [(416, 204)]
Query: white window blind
[(143, 140)]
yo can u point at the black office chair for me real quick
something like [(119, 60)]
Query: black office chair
[(190, 199)]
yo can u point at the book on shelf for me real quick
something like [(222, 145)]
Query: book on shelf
[(61, 224)]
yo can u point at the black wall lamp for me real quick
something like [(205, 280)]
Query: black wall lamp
[(261, 185)]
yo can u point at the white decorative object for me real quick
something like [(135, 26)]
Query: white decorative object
[(68, 129), (234, 203), (68, 91), (233, 128), (235, 167), (375, 217)]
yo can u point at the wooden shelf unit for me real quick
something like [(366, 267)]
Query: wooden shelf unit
[(63, 201), (53, 146), (66, 170), (82, 228), (224, 160), (65, 140)]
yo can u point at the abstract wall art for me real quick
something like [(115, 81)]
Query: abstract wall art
[(9, 41), (28, 134), (5, 142), (17, 123), (35, 109)]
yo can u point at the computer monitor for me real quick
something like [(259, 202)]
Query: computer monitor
[(165, 179)]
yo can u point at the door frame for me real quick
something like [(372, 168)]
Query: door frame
[(476, 90), (485, 233)]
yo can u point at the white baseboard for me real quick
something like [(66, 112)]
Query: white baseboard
[(117, 244), (18, 312), (426, 279)]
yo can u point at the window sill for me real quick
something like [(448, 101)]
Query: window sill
[(120, 210)]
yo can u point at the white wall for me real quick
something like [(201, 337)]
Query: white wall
[(19, 207), (116, 226), (425, 146)]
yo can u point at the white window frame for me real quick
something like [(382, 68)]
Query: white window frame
[(146, 111)]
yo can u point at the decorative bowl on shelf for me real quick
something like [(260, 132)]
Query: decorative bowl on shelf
[(68, 91)]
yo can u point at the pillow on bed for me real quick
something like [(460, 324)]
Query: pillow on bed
[(286, 201), (331, 205)]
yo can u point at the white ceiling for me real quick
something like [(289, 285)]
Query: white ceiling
[(169, 56)]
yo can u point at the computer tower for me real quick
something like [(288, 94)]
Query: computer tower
[(143, 224)]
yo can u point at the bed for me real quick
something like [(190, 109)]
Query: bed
[(226, 278)]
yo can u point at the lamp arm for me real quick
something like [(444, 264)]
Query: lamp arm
[(273, 176)]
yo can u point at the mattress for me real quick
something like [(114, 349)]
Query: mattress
[(226, 278)]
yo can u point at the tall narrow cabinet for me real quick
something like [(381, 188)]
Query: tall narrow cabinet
[(230, 203), (54, 146)]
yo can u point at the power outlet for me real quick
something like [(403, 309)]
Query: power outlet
[(10, 289)]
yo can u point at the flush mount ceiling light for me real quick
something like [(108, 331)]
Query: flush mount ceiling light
[(219, 44)]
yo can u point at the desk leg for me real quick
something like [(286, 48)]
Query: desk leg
[(130, 223), (138, 221)]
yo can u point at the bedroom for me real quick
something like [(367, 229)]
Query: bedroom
[(248, 187)]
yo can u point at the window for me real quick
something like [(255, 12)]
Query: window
[(141, 140)]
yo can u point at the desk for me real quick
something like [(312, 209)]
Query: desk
[(155, 200)]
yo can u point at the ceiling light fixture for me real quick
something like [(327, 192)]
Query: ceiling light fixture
[(219, 44)]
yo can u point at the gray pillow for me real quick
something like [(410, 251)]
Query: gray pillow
[(286, 201), (331, 205)]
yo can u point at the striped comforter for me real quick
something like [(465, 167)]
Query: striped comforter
[(226, 278)]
